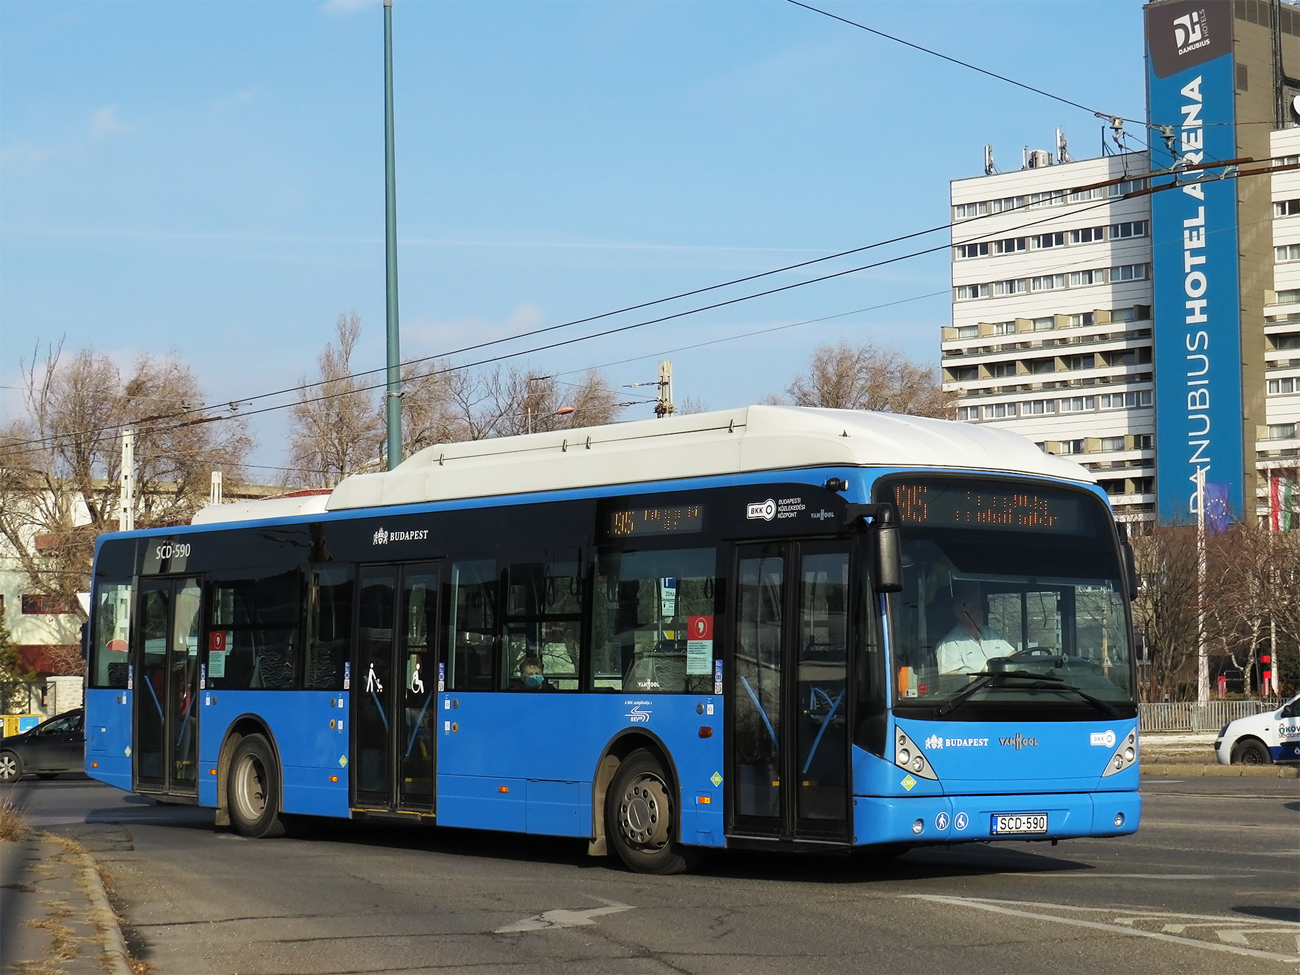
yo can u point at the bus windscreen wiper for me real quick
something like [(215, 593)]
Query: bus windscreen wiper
[(1102, 706), (994, 679)]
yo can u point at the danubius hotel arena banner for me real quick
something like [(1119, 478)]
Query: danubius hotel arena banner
[(1198, 398)]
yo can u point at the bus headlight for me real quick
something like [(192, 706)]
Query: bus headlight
[(908, 756), (1124, 756)]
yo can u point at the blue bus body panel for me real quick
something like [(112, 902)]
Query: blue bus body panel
[(310, 750), (108, 736), (526, 762)]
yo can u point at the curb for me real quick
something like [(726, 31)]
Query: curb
[(101, 915), (1221, 771)]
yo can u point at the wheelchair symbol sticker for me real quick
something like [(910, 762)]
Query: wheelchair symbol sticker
[(961, 822), (941, 820)]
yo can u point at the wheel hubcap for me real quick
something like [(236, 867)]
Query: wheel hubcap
[(643, 813), (250, 787), (7, 768)]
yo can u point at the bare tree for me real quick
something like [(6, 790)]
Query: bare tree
[(1165, 614), (863, 377), (60, 463), (337, 429)]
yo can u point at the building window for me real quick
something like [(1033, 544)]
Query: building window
[(1127, 187), (1009, 246), (1048, 282), (1016, 287), (1112, 443), (1044, 324), (965, 291), (1081, 278), (1134, 228), (999, 411), (1002, 370), (1047, 199), (1286, 208), (1128, 272), (968, 331), (1083, 196), (1276, 431), (1039, 407), (1041, 241), (39, 604), (1071, 447), (1087, 235), (968, 210), (973, 250), (968, 413), (1082, 319), (1004, 328), (1142, 441), (1078, 404), (1007, 203), (965, 374), (1288, 297), (1125, 401), (1288, 385), (1287, 252), (1075, 362)]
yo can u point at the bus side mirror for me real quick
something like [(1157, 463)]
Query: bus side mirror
[(886, 551), (1130, 569)]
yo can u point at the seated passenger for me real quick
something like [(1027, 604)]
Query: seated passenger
[(971, 642), (531, 676)]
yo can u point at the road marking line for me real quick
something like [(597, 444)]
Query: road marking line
[(562, 918), (1100, 926)]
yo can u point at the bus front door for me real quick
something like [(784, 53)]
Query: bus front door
[(394, 688), (166, 660), (789, 694)]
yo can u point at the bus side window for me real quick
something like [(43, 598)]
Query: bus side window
[(330, 621), (471, 624), (643, 607), (112, 635), (256, 631), (543, 621)]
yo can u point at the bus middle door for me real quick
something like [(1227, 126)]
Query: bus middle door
[(394, 688), (166, 658)]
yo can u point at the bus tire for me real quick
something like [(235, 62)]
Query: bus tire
[(11, 767), (641, 817), (253, 789), (1251, 751)]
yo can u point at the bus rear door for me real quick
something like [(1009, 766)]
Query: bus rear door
[(394, 688), (789, 699)]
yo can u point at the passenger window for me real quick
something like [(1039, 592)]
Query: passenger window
[(330, 627), (543, 624), (652, 621), (471, 624), (256, 631), (112, 635)]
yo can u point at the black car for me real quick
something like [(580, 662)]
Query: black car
[(54, 746)]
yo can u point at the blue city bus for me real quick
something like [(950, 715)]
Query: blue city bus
[(763, 628)]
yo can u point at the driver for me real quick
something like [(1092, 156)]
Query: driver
[(970, 642)]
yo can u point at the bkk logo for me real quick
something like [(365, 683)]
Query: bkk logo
[(761, 509)]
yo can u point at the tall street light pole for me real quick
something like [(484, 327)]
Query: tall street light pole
[(393, 397)]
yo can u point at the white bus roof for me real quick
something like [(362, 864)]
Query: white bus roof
[(749, 439)]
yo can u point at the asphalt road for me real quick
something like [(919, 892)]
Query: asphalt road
[(1211, 883)]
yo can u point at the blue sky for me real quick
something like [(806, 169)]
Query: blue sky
[(206, 178)]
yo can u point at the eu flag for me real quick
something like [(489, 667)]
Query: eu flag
[(1217, 511)]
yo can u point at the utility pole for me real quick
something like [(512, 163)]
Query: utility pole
[(1202, 652), (393, 395), (126, 501), (664, 401)]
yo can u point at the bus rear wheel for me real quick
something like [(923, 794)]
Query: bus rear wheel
[(253, 789), (641, 818)]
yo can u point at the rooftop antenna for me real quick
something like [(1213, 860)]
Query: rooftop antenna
[(990, 167), (1062, 150)]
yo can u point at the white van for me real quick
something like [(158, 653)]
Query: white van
[(1262, 739)]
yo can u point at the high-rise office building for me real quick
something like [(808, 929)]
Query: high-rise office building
[(1136, 311)]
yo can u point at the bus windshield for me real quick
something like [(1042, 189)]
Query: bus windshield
[(1013, 595)]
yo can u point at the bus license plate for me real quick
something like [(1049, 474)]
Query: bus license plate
[(1020, 823)]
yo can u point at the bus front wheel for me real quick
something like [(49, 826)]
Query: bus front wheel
[(253, 789), (641, 817)]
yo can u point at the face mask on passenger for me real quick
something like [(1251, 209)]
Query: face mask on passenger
[(534, 681)]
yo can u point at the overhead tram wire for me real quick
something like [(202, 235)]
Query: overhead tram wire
[(36, 443)]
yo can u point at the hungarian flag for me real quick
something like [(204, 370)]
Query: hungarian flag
[(1281, 492)]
